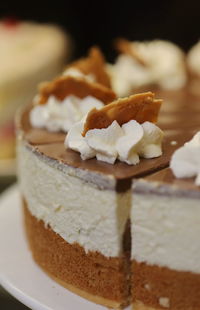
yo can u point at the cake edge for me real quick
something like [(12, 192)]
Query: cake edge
[(93, 298), (138, 305)]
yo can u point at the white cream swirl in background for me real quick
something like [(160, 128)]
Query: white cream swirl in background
[(58, 115), (185, 162), (193, 59), (165, 67), (127, 143)]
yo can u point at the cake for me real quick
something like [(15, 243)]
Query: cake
[(165, 234), (72, 204), (29, 53), (156, 64), (87, 162)]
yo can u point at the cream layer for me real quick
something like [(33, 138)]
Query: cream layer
[(72, 204), (165, 226)]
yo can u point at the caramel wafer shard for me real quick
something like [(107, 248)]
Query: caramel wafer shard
[(126, 47), (67, 85), (140, 107), (94, 65)]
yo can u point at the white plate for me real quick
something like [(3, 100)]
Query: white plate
[(19, 274)]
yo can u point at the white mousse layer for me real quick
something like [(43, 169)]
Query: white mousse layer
[(165, 229), (67, 200)]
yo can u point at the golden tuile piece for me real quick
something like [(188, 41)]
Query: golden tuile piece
[(126, 47), (94, 64), (140, 107), (66, 85)]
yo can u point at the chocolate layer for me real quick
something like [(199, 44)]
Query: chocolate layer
[(90, 272), (120, 170), (165, 183), (180, 110), (166, 176), (162, 288)]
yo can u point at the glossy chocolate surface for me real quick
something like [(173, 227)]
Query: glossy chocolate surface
[(166, 176), (119, 170), (164, 183)]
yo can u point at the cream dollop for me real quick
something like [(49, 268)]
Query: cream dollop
[(165, 67), (193, 59), (185, 162), (127, 143), (58, 115)]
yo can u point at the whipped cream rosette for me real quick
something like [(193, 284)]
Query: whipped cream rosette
[(68, 98), (193, 59), (193, 65), (185, 162), (123, 130), (156, 63)]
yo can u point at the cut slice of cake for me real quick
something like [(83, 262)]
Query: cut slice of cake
[(76, 211)]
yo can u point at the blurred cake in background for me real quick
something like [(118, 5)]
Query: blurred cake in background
[(150, 64), (193, 63), (29, 53)]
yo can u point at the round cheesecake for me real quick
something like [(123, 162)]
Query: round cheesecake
[(83, 218), (77, 212)]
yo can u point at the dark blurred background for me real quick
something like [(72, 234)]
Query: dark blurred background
[(95, 22)]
